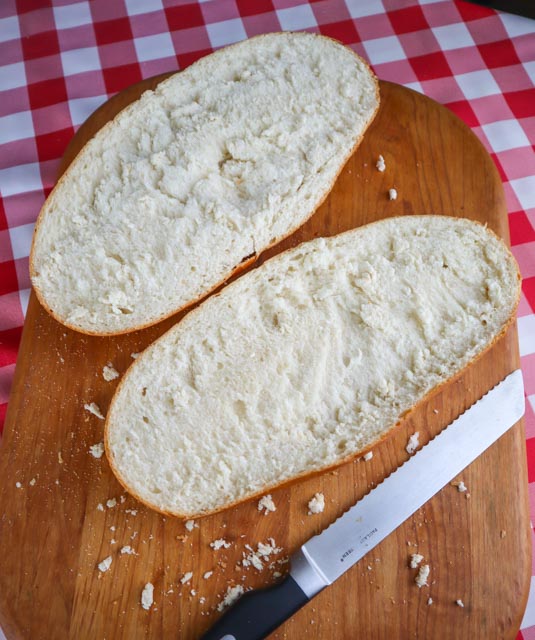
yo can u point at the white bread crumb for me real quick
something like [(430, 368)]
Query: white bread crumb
[(186, 577), (97, 450), (109, 372), (105, 564), (367, 456), (60, 457), (413, 443), (135, 355), (128, 550), (261, 555), (392, 194), (423, 574), (316, 504), (416, 558), (18, 485), (131, 511), (459, 603), (233, 593), (430, 601), (266, 503), (94, 409), (112, 502), (147, 596), (123, 499), (32, 482), (461, 487), (100, 507), (207, 574), (193, 592), (277, 574), (190, 525), (217, 544), (380, 164)]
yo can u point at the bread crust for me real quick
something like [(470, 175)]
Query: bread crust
[(239, 267), (353, 456)]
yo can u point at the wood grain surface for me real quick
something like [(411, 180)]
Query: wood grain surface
[(53, 534)]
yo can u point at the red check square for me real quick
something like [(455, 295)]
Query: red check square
[(184, 17), (254, 7), (40, 45), (343, 31), (43, 94), (112, 31), (52, 145), (499, 54), (431, 66), (117, 78), (8, 278), (522, 231), (407, 20)]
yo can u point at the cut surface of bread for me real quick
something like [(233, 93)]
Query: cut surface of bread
[(307, 361), (221, 161)]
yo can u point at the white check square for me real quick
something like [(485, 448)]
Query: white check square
[(16, 126), (135, 7), (12, 76), (19, 179), (21, 240), (524, 189), (478, 84), (381, 50), (526, 334), (9, 29), (505, 134), (517, 25), (80, 60), (226, 32), (296, 18), (363, 8), (530, 70), (154, 47), (72, 15), (82, 108), (453, 36)]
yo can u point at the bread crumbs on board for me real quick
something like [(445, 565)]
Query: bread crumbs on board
[(232, 594), (316, 504), (380, 164), (413, 443), (105, 564), (266, 504), (147, 596), (109, 372), (94, 409), (423, 574), (97, 450), (220, 543)]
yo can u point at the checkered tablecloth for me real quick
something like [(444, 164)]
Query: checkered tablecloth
[(61, 59)]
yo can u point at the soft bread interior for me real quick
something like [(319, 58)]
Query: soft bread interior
[(219, 162), (307, 360)]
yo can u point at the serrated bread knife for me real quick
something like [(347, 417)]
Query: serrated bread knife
[(325, 557)]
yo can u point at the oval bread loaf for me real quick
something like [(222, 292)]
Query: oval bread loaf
[(307, 361), (218, 163)]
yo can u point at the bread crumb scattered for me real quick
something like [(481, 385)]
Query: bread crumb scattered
[(202, 600), (435, 410), (109, 372), (100, 507), (132, 512), (186, 577), (367, 456), (128, 550), (266, 503), (97, 450), (218, 544), (461, 487), (135, 355), (423, 574), (193, 592), (416, 558), (18, 485), (207, 574), (190, 525), (32, 482), (112, 502), (123, 499), (277, 574), (147, 596), (430, 601), (503, 533), (261, 555), (459, 603), (316, 504), (380, 164), (60, 457), (233, 593), (105, 564), (392, 194), (94, 409), (413, 443)]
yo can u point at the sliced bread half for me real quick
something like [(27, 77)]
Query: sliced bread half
[(307, 361), (218, 163)]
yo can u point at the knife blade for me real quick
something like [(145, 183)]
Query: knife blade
[(325, 557)]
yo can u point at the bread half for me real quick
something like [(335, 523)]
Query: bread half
[(307, 361), (218, 163)]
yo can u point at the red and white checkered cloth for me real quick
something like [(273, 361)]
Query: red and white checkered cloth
[(61, 59)]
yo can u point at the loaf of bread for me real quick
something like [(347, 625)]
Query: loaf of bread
[(218, 163), (307, 361)]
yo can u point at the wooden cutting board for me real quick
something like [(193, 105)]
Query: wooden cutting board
[(53, 533)]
